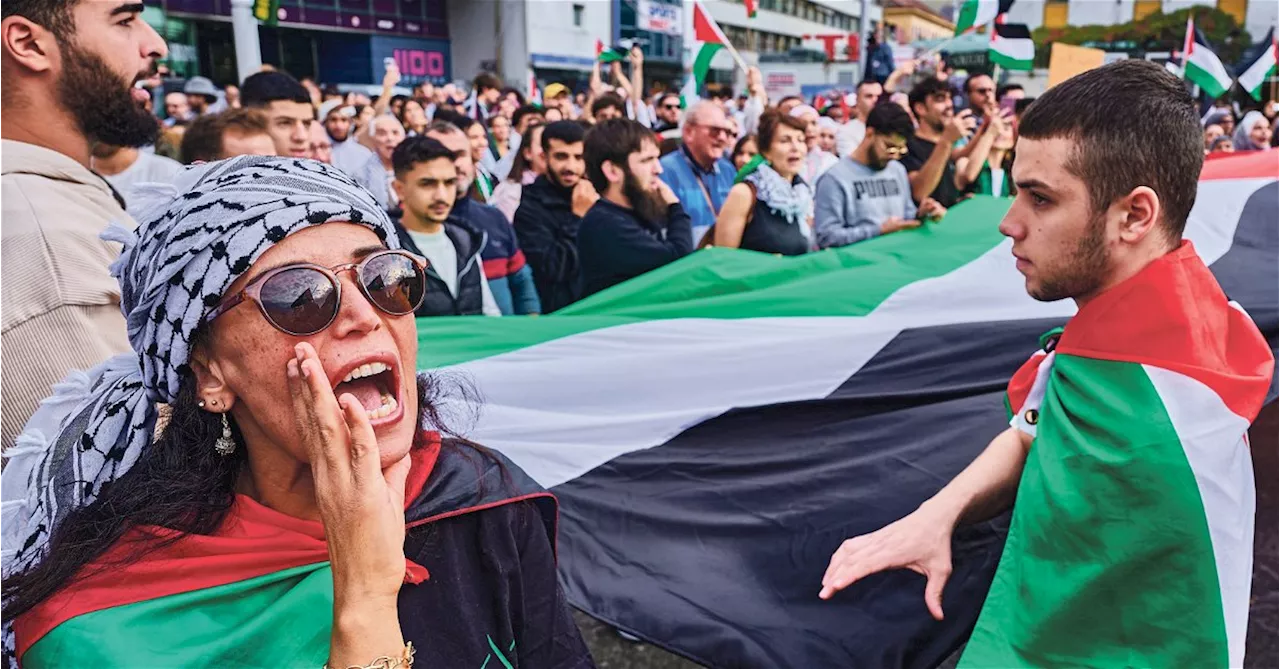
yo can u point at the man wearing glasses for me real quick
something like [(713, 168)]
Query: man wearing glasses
[(698, 172), (668, 113), (867, 193)]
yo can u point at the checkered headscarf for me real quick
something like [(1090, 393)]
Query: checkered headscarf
[(195, 237)]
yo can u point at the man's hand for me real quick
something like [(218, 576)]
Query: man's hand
[(391, 77), (920, 542), (931, 209), (961, 124), (755, 82), (584, 195), (668, 195), (637, 55), (894, 224)]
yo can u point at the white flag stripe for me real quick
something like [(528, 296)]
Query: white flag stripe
[(1224, 477), (564, 407)]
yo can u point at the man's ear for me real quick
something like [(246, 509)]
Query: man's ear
[(1139, 214), (398, 187), (612, 172), (28, 44)]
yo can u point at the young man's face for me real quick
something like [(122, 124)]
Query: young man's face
[(460, 145), (1060, 243), (936, 110), (565, 165), (338, 125), (645, 167), (868, 95), (289, 124), (982, 93), (429, 190), (97, 66), (885, 148), (669, 109), (607, 114)]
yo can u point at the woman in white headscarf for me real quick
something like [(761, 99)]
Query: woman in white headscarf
[(1253, 133)]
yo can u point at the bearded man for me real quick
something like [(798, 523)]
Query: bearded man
[(69, 69), (638, 224)]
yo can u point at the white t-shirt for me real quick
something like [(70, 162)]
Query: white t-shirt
[(148, 168), (997, 180), (443, 256)]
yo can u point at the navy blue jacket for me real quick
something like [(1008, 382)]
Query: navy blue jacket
[(548, 232), (486, 534), (615, 245), (510, 279)]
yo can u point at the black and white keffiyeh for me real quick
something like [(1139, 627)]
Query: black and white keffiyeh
[(792, 201), (195, 237)]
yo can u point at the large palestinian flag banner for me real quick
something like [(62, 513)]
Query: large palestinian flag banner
[(714, 429)]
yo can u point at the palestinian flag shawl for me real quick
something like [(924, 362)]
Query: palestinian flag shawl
[(1131, 541), (259, 593)]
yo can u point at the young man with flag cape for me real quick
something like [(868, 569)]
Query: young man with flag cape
[(1131, 537)]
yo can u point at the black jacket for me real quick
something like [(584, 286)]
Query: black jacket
[(615, 245), (486, 534), (547, 231), (469, 244)]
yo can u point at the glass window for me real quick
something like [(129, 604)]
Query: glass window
[(577, 15)]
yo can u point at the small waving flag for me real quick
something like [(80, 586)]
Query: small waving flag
[(1256, 73), (1011, 46), (533, 93), (974, 13), (752, 8), (1201, 65), (614, 54)]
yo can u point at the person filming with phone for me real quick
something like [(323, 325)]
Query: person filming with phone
[(932, 153)]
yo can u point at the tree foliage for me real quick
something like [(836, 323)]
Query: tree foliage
[(1156, 32)]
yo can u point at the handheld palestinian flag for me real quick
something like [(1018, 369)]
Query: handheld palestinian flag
[(1011, 46), (533, 93), (975, 13), (752, 8), (1262, 68), (1132, 535), (708, 39), (613, 54), (1201, 65), (715, 428)]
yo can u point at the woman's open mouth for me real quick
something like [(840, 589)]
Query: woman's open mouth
[(374, 385)]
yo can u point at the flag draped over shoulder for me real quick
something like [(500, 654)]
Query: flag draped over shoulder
[(715, 428), (1132, 538)]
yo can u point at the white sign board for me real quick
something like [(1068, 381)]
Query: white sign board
[(781, 84), (657, 17)]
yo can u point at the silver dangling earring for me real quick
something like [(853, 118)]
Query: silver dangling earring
[(226, 444)]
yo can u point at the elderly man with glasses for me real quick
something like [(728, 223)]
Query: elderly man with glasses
[(698, 172), (867, 193)]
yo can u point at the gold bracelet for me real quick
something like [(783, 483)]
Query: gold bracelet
[(405, 660)]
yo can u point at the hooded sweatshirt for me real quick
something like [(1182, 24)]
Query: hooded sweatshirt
[(57, 292)]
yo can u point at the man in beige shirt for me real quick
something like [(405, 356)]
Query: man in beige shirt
[(67, 75)]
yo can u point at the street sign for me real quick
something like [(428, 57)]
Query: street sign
[(656, 17)]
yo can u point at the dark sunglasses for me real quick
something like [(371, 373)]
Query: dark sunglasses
[(304, 299)]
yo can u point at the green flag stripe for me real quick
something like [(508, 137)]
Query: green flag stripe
[(281, 619), (702, 62), (1109, 560), (730, 283)]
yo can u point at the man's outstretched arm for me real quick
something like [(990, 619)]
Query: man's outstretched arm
[(921, 541)]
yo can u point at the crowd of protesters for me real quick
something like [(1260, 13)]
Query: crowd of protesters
[(554, 198)]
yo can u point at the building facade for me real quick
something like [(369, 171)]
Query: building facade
[(1257, 16), (338, 41), (912, 20)]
